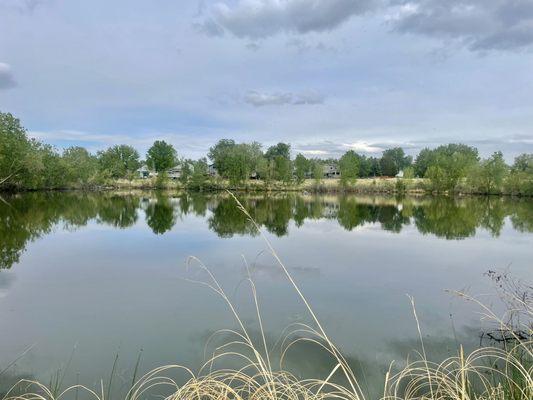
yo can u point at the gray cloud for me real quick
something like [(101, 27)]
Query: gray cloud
[(21, 6), (259, 99), (260, 19), (7, 80), (479, 24)]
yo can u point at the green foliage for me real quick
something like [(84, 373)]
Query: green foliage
[(301, 168), (487, 177), (161, 156), (349, 167), (81, 166), (199, 175), (409, 173), (186, 171), (279, 150), (523, 163), (451, 163), (393, 161), (283, 170), (318, 172), (423, 161), (236, 162), (118, 161)]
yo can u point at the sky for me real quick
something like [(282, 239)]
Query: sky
[(325, 75)]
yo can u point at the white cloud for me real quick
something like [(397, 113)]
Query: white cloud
[(264, 18), (259, 99), (363, 147)]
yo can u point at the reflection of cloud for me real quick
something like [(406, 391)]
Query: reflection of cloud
[(6, 279), (275, 272)]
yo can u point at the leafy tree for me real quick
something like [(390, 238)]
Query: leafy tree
[(318, 172), (18, 158), (279, 150), (523, 163), (487, 176), (349, 167), (200, 174), (393, 161), (219, 155), (301, 167), (409, 173), (161, 156), (423, 161), (119, 161), (452, 163), (186, 171), (282, 168), (80, 164)]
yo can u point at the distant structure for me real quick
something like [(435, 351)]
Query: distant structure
[(145, 172), (331, 171)]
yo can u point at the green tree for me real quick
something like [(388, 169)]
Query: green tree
[(199, 175), (318, 172), (81, 165), (279, 150), (186, 171), (161, 156), (488, 176), (19, 161), (523, 163), (423, 161), (451, 164), (301, 168), (218, 154), (393, 161), (118, 161), (283, 170), (349, 167)]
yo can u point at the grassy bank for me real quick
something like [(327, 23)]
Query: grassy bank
[(416, 186)]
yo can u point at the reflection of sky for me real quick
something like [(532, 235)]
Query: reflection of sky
[(111, 290)]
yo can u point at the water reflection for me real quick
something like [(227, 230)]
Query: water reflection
[(26, 217)]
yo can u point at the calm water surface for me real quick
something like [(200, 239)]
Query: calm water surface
[(89, 276)]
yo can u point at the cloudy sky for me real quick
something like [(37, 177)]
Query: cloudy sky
[(326, 75)]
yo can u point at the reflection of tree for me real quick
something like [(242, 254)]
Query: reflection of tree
[(160, 215), (392, 219), (522, 215), (227, 220), (445, 217), (119, 211)]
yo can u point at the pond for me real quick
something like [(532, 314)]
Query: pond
[(85, 277)]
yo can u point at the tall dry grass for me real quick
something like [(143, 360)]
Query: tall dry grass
[(501, 372)]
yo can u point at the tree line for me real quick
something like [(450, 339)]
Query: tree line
[(29, 164)]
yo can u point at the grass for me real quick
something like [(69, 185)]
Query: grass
[(488, 373)]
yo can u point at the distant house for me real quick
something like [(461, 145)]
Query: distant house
[(331, 171), (144, 172), (399, 174), (211, 169), (174, 172)]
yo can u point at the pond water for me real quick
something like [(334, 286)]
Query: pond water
[(84, 277)]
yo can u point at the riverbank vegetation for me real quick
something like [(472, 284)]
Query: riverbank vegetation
[(27, 164), (244, 364)]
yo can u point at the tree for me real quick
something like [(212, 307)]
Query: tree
[(218, 154), (318, 172), (423, 161), (451, 164), (523, 163), (487, 176), (279, 150), (282, 168), (18, 158), (200, 174), (301, 168), (349, 167), (119, 161), (80, 164), (393, 161), (161, 156)]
